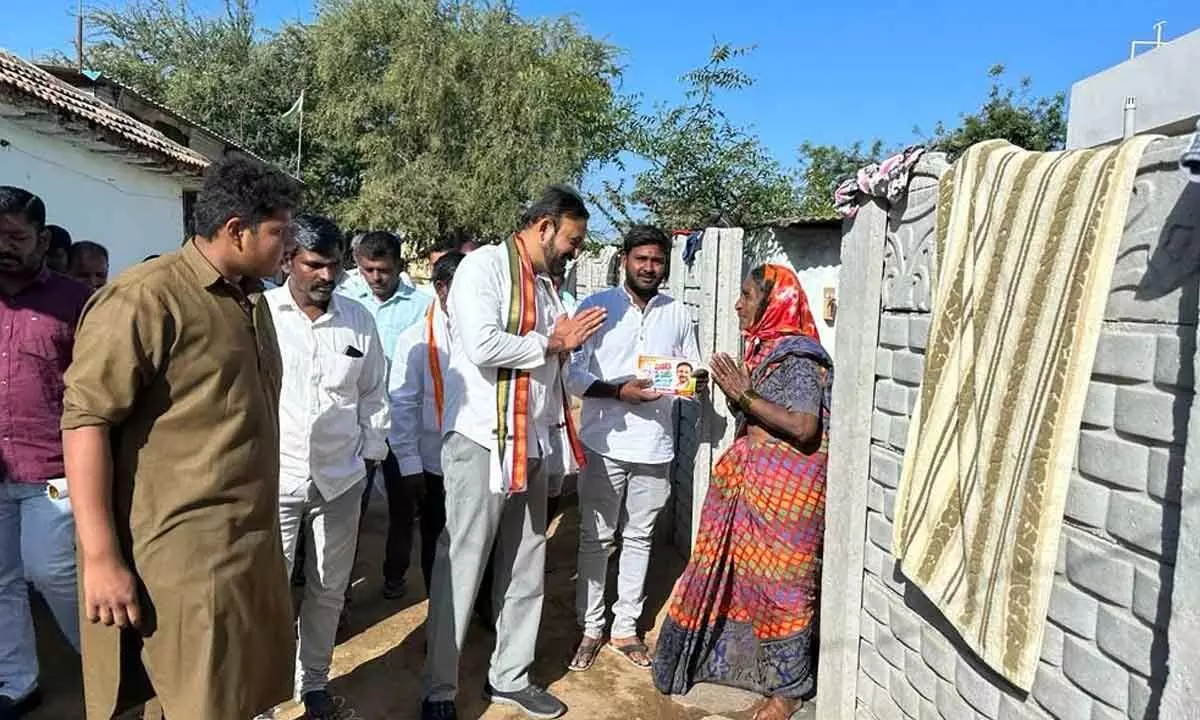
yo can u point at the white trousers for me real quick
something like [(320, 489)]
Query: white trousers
[(37, 545), (330, 530), (616, 496)]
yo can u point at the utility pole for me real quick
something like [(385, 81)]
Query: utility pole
[(79, 37), (300, 136)]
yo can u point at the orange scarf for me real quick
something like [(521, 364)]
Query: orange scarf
[(512, 386), (435, 367)]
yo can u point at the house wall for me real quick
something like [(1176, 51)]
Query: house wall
[(1163, 83), (1105, 649), (96, 196), (814, 253), (592, 271)]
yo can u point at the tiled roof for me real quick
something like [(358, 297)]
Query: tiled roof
[(32, 83), (803, 220), (72, 77)]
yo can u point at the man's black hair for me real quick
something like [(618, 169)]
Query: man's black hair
[(84, 247), (377, 245), (446, 266), (318, 234), (556, 201), (239, 187), (19, 201), (60, 239), (686, 364), (640, 235), (452, 242)]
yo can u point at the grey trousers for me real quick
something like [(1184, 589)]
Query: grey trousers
[(475, 517), (616, 496)]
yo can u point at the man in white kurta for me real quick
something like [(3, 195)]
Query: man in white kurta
[(504, 395), (333, 424), (628, 432), (417, 389)]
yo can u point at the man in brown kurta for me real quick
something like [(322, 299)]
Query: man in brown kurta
[(172, 446)]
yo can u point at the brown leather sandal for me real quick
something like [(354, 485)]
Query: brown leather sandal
[(635, 651), (585, 654)]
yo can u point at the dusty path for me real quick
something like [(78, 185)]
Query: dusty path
[(378, 663)]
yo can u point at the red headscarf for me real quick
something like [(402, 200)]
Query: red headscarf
[(785, 313)]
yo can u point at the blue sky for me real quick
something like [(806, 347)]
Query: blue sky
[(827, 71)]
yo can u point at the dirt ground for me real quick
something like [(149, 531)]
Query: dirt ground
[(377, 664)]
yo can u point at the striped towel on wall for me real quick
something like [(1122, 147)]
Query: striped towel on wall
[(1026, 244)]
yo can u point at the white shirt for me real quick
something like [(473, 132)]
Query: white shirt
[(416, 435), (478, 305), (333, 406), (623, 431)]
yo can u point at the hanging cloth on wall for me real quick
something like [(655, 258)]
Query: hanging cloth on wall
[(1026, 244), (691, 246), (888, 180)]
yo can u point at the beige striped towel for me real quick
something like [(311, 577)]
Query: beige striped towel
[(1025, 249)]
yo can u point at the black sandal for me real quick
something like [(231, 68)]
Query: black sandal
[(629, 650), (585, 654)]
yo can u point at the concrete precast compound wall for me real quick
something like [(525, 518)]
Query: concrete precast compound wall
[(1106, 643)]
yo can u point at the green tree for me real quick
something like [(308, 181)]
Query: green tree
[(223, 71), (458, 112), (428, 117), (823, 167), (1009, 113), (701, 168)]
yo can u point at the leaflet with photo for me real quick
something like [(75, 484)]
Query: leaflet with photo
[(669, 375)]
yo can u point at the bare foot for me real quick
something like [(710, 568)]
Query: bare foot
[(777, 708)]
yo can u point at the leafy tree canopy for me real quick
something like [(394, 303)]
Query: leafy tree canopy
[(458, 112), (701, 168), (1009, 113), (422, 116), (442, 117)]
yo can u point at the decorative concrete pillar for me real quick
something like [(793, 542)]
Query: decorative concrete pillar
[(861, 284)]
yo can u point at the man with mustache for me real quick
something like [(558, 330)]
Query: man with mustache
[(629, 436), (38, 313), (396, 306), (333, 425), (504, 395)]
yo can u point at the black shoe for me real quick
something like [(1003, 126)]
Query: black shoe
[(318, 705), (438, 710), (12, 709), (394, 590), (534, 701)]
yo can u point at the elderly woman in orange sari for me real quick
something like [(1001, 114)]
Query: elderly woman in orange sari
[(744, 611)]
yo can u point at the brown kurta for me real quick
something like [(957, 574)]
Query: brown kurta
[(184, 370)]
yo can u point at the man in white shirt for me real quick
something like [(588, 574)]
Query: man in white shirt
[(395, 307), (417, 388), (628, 433), (333, 426), (504, 395)]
